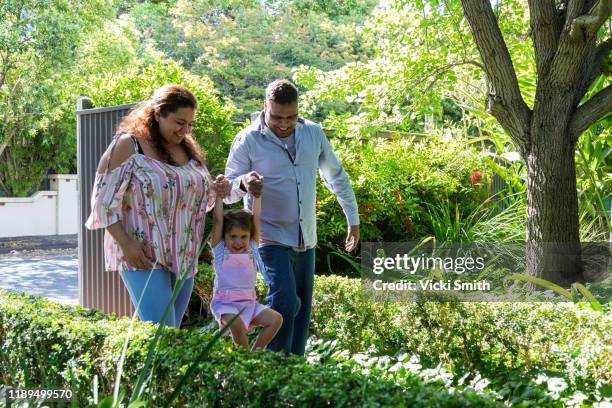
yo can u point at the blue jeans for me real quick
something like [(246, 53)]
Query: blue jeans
[(290, 279), (157, 295)]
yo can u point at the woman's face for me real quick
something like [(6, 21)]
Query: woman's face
[(176, 125)]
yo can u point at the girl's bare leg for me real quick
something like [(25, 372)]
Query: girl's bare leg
[(239, 333), (270, 321)]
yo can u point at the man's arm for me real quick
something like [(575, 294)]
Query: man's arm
[(238, 165), (336, 180)]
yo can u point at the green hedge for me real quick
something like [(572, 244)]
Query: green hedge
[(499, 340), (511, 344), (46, 344)]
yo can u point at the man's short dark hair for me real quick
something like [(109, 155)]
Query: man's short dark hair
[(281, 91)]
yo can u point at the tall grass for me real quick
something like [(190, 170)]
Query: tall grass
[(489, 222)]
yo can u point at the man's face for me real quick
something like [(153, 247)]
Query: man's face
[(281, 118)]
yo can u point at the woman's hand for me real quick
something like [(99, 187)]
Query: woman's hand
[(221, 186), (135, 254)]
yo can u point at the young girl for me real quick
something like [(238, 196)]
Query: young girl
[(234, 241)]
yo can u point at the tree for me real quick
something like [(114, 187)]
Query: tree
[(426, 55), (38, 48), (569, 58), (243, 45)]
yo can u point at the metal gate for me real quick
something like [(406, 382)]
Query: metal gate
[(97, 288)]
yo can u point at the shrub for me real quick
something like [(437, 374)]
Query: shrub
[(396, 183), (499, 340), (464, 336), (46, 344), (213, 127)]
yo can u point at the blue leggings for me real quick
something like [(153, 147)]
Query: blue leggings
[(157, 295)]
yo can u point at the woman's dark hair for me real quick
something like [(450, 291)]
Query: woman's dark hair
[(241, 218), (141, 121), (282, 92)]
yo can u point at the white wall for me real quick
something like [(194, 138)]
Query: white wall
[(67, 202), (44, 213)]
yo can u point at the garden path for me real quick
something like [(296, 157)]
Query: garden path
[(54, 277)]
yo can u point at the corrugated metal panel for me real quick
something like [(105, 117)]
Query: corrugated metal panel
[(498, 186), (97, 288)]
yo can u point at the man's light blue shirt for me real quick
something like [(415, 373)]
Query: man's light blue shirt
[(289, 194)]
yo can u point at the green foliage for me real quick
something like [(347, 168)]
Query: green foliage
[(38, 40), (571, 296), (511, 344), (594, 179), (396, 183), (212, 128), (425, 71), (63, 346), (243, 45)]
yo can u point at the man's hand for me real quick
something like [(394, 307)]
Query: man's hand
[(253, 183), (221, 186), (352, 238)]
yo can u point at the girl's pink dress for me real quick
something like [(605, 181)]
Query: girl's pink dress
[(234, 288)]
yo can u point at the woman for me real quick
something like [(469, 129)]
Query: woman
[(151, 193)]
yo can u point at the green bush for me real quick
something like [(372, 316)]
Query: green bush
[(46, 344), (502, 341), (491, 338), (396, 183), (213, 127), (518, 349)]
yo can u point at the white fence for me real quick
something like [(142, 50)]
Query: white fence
[(53, 212)]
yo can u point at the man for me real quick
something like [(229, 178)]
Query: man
[(280, 153)]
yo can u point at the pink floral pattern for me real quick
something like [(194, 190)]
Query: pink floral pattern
[(157, 203)]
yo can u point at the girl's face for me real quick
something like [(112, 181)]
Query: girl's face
[(237, 240), (176, 125)]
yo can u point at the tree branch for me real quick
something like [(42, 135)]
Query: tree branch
[(504, 101), (545, 25), (591, 111), (584, 27), (7, 139), (596, 67), (5, 68), (436, 72)]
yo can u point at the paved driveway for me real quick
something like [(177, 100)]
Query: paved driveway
[(52, 276)]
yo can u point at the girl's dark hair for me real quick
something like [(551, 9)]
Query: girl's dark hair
[(141, 121), (241, 218)]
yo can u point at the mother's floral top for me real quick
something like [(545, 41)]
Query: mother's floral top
[(157, 203)]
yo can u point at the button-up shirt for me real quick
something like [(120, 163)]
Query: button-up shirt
[(288, 208)]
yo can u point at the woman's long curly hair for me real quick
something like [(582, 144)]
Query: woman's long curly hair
[(141, 121)]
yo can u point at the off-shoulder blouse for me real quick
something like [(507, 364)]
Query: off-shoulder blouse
[(157, 203)]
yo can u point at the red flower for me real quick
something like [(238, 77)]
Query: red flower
[(476, 176)]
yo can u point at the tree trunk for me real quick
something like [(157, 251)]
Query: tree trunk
[(553, 241)]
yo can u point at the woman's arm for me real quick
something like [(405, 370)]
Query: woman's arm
[(116, 153)]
